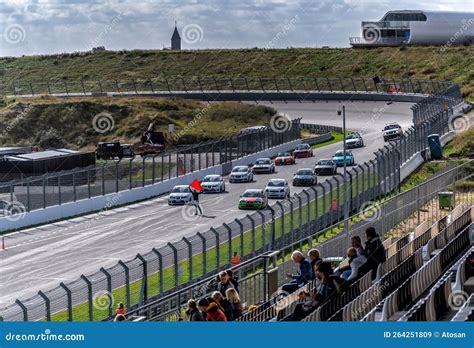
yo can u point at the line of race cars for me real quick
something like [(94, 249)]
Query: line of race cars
[(276, 188)]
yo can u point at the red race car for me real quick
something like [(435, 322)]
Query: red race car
[(284, 158), (303, 150)]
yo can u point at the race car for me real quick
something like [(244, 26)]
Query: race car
[(263, 165), (392, 131), (325, 167), (303, 151), (284, 158), (180, 194), (339, 158), (253, 199), (354, 140), (305, 177), (240, 174), (213, 183), (277, 188)]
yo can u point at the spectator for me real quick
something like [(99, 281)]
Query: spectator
[(120, 317), (374, 250), (211, 310), (326, 287), (234, 298), (356, 243), (233, 279), (224, 282), (355, 263), (235, 260), (314, 257), (302, 276), (193, 313), (121, 309), (224, 304)]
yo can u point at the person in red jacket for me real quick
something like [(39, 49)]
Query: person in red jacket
[(211, 310)]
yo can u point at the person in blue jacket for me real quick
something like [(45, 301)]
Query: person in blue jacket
[(302, 277)]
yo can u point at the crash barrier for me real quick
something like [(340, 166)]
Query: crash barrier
[(395, 270), (223, 86), (441, 298), (276, 227), (420, 281), (317, 139), (319, 128), (466, 312), (116, 177)]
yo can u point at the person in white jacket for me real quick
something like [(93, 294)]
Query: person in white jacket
[(355, 262)]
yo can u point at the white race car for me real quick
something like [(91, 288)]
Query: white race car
[(213, 183), (180, 194)]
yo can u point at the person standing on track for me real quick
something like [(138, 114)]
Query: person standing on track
[(196, 190)]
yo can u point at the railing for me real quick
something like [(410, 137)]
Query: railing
[(51, 189), (223, 85), (303, 219), (387, 24)]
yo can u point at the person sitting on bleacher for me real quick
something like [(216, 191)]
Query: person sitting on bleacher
[(355, 263), (374, 250), (302, 276), (314, 257), (224, 282), (356, 243), (211, 310), (192, 312), (328, 285), (224, 304), (234, 298)]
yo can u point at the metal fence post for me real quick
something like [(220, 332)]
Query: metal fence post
[(89, 296), (144, 287), (47, 304), (273, 237), (252, 223), (308, 206), (241, 229), (312, 188), (300, 210), (176, 265), (264, 229), (23, 309), (282, 218), (109, 289), (190, 257), (69, 300), (127, 281), (216, 234), (229, 234), (204, 263)]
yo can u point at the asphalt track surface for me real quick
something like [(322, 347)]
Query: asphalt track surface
[(40, 258)]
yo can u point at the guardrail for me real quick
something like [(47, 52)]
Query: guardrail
[(234, 84), (160, 272)]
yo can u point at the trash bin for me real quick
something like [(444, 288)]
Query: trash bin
[(446, 200), (435, 146)]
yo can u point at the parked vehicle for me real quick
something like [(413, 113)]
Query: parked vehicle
[(392, 131), (127, 150), (325, 167), (213, 183), (253, 199), (241, 174), (339, 158), (277, 188), (108, 150), (354, 140), (305, 177), (303, 151), (263, 165), (284, 158), (180, 194)]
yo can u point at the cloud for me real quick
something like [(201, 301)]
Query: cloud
[(54, 26)]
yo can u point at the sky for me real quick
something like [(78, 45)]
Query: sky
[(55, 26)]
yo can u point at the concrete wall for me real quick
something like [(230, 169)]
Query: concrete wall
[(128, 196)]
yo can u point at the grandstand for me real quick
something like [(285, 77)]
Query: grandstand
[(428, 274)]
